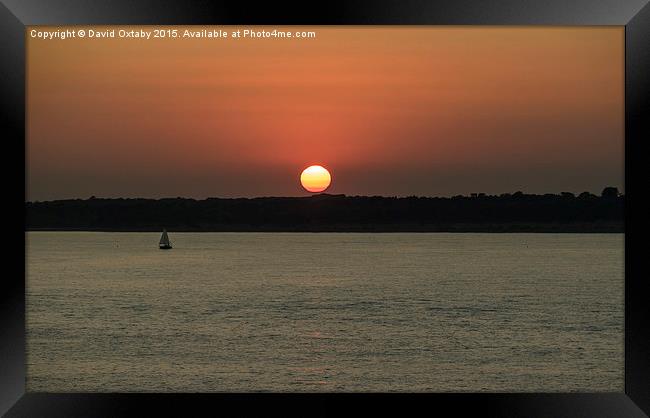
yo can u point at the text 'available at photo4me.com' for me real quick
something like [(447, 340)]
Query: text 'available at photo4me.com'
[(148, 33)]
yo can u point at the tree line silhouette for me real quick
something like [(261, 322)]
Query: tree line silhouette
[(479, 212)]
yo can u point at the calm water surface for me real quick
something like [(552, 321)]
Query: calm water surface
[(324, 312)]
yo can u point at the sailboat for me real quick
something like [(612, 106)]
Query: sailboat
[(164, 243)]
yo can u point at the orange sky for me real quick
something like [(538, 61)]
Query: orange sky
[(388, 110)]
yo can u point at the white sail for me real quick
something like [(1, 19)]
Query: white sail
[(164, 239)]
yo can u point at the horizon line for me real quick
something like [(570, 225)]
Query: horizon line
[(471, 195)]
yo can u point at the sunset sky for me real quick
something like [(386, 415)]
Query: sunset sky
[(393, 111)]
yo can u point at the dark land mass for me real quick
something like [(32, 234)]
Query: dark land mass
[(516, 212)]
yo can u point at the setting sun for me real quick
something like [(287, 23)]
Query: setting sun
[(315, 178)]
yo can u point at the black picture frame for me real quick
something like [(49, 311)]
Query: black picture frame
[(633, 14)]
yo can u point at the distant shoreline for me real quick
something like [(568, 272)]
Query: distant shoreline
[(495, 229), (507, 213)]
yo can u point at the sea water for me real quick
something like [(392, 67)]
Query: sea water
[(224, 312)]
